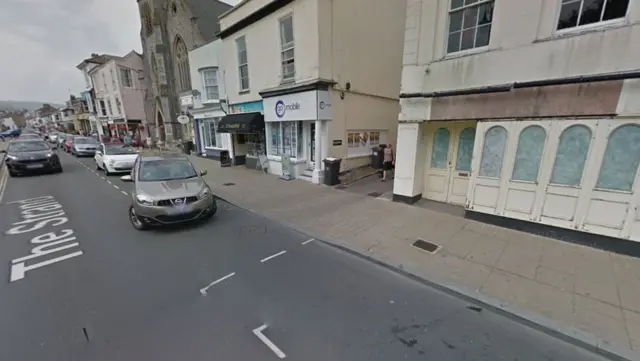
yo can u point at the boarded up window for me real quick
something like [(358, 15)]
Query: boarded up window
[(529, 153), (621, 159), (571, 156), (495, 141)]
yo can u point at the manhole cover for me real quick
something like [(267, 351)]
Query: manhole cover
[(374, 194), (340, 187), (228, 184), (426, 246)]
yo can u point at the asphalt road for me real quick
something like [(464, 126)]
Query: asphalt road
[(114, 293)]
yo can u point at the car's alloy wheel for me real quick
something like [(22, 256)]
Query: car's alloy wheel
[(135, 220)]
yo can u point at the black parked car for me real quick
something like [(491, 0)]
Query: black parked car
[(31, 156)]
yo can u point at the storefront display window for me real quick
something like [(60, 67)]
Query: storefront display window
[(359, 143), (285, 138), (211, 137)]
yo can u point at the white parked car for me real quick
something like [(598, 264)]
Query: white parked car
[(115, 157)]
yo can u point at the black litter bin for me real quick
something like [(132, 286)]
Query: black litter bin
[(225, 160), (332, 171), (187, 146), (377, 157)]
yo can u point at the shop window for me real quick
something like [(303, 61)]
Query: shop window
[(571, 156), (212, 139), (285, 138), (360, 143), (440, 149), (495, 141), (465, 149), (621, 159), (529, 154)]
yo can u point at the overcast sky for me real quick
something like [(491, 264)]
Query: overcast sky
[(42, 41)]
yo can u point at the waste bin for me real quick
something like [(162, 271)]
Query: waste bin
[(225, 160), (377, 156), (187, 146), (332, 171)]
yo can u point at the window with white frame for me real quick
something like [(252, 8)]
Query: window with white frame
[(287, 52), (576, 13), (110, 107), (469, 24), (210, 136), (125, 78), (210, 84), (361, 142), (243, 63), (285, 138)]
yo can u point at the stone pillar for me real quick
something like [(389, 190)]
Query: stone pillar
[(317, 169), (410, 159)]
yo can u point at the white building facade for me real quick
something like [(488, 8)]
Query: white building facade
[(524, 112), (206, 100), (328, 83)]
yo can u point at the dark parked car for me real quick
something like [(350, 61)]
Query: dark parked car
[(31, 156)]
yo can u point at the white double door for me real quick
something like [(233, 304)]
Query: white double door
[(448, 161)]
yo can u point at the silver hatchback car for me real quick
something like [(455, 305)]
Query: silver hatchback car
[(168, 190)]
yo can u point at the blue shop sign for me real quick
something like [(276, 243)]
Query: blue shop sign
[(249, 107)]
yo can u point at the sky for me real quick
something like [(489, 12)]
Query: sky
[(43, 41)]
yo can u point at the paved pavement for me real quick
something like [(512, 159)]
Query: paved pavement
[(81, 284), (576, 290)]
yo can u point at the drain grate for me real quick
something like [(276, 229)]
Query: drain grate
[(340, 187), (426, 246), (228, 184), (374, 194)]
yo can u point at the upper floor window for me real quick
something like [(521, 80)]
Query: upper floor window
[(287, 53), (469, 24), (575, 13), (147, 21), (182, 64), (210, 84), (243, 63), (125, 78)]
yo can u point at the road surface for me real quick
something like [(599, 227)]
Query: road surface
[(77, 282)]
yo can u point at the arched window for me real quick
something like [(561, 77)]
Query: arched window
[(440, 149), (154, 68), (571, 155), (147, 21), (183, 78), (621, 159), (529, 153), (495, 140), (465, 149)]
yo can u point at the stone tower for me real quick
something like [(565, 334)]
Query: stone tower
[(170, 29)]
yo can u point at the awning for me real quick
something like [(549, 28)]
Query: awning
[(241, 123)]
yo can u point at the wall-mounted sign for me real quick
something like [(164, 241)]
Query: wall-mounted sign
[(337, 142), (249, 107), (309, 105)]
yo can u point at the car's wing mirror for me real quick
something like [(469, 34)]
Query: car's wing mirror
[(126, 178), (203, 172), (3, 150)]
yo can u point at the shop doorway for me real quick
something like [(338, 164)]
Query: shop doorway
[(312, 145), (448, 161)]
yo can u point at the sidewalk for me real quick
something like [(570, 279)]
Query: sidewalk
[(576, 286)]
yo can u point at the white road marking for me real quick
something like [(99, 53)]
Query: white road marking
[(266, 341), (125, 193), (103, 177), (4, 179), (273, 256), (308, 241), (109, 182), (116, 187), (203, 291)]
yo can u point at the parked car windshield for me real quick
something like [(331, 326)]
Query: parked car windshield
[(166, 169), (79, 140), (118, 149), (17, 147)]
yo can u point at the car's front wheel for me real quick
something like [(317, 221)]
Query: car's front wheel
[(136, 221), (106, 171)]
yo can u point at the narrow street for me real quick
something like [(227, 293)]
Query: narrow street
[(79, 283)]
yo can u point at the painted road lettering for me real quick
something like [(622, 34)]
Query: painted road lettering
[(38, 213)]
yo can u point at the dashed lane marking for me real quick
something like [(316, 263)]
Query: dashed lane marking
[(272, 256), (203, 291), (308, 241), (266, 341), (125, 193), (116, 187)]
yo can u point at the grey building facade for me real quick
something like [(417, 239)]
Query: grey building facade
[(170, 29)]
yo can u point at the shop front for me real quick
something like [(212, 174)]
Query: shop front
[(297, 133), (209, 142), (245, 127)]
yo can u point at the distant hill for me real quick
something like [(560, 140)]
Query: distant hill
[(29, 105)]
